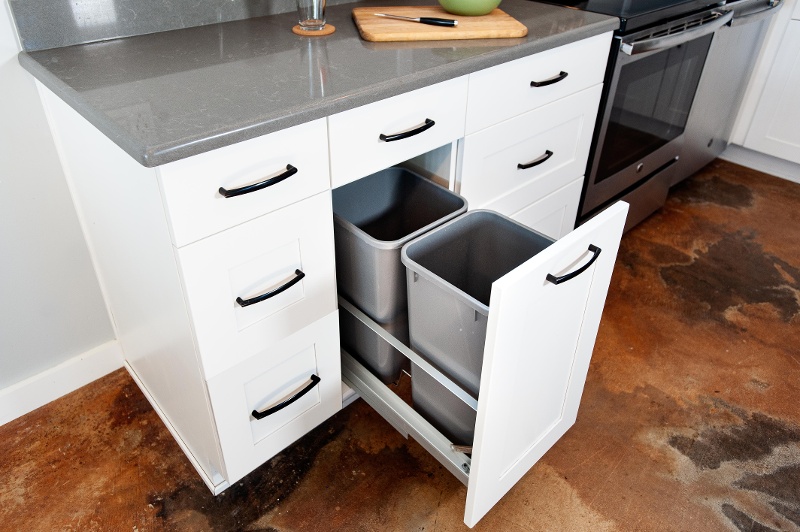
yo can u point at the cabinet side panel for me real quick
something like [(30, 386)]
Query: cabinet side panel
[(758, 78), (774, 129), (120, 207)]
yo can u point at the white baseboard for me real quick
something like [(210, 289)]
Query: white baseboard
[(38, 390), (762, 162)]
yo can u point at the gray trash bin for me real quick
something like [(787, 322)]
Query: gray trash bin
[(373, 218), (449, 414), (450, 274)]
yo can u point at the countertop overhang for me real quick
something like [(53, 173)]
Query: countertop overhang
[(167, 96)]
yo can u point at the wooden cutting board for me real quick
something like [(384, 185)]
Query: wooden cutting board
[(496, 25)]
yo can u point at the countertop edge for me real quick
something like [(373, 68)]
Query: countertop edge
[(158, 155), (95, 117)]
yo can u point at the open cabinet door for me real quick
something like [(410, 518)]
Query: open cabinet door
[(539, 342)]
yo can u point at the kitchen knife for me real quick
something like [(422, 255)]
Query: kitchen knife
[(433, 21)]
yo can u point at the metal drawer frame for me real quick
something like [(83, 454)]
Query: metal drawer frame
[(396, 411)]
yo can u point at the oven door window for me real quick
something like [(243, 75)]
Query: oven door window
[(651, 103)]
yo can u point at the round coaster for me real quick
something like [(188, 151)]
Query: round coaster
[(326, 30)]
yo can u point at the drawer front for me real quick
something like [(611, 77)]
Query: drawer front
[(356, 147), (543, 321), (261, 256), (274, 376), (553, 141), (502, 92), (555, 214), (191, 187)]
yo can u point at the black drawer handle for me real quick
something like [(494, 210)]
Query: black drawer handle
[(550, 81), (405, 134), (266, 295), (564, 278), (536, 162), (290, 171), (314, 380)]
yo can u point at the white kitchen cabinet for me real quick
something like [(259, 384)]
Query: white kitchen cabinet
[(381, 134), (505, 91), (554, 214), (288, 253), (307, 360), (539, 340), (226, 307), (282, 161), (515, 164), (774, 128), (203, 360), (540, 335), (534, 139), (536, 357)]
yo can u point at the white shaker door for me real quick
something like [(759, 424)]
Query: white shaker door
[(539, 342)]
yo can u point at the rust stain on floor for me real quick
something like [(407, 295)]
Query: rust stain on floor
[(194, 507), (732, 272), (754, 438), (689, 419)]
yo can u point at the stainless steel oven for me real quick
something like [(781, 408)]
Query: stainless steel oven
[(651, 83)]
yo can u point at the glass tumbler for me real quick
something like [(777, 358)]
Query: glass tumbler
[(311, 14)]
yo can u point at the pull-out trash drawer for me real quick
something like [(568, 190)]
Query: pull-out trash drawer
[(542, 321)]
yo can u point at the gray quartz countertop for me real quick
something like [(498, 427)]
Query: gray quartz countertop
[(166, 96)]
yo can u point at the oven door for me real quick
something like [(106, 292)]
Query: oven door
[(650, 92)]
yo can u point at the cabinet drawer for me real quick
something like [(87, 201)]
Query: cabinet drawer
[(191, 187), (540, 332), (555, 139), (356, 145), (555, 214), (271, 377), (508, 86), (255, 258)]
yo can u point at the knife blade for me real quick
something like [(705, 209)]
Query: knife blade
[(433, 21)]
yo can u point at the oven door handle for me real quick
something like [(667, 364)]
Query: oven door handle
[(739, 20), (668, 41)]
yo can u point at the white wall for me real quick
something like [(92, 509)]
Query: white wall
[(51, 307)]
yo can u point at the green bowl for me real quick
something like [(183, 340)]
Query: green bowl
[(469, 7)]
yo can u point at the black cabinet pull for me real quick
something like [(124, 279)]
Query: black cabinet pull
[(564, 278), (550, 81), (405, 134), (290, 171), (266, 295), (286, 402), (536, 162)]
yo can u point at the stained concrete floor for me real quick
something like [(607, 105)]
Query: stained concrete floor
[(690, 419)]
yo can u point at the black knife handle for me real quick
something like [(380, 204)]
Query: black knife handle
[(433, 21)]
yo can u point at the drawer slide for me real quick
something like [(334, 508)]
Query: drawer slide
[(403, 418)]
